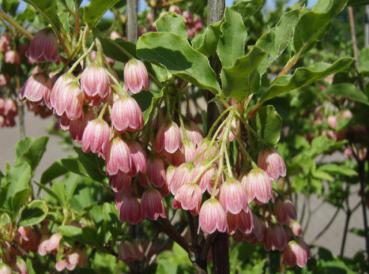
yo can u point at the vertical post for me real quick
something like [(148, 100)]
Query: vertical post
[(132, 26), (220, 244), (367, 26)]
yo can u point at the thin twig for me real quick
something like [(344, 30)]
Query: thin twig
[(15, 24)]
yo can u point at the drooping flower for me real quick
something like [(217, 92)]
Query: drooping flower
[(242, 221), (156, 171), (296, 253), (275, 238), (168, 138), (258, 186), (95, 136), (118, 157), (207, 180), (67, 98), (295, 228), (182, 175), (212, 217), (12, 57), (152, 205), (50, 244), (136, 77), (95, 82), (121, 182), (193, 134), (189, 196), (4, 43), (126, 114), (138, 158), (43, 48), (270, 161), (232, 196), (130, 210), (285, 212), (36, 88)]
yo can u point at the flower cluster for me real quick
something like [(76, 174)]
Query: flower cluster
[(166, 156)]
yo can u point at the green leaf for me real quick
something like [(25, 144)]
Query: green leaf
[(348, 91), (172, 22), (364, 61), (305, 76), (31, 151), (70, 230), (339, 169), (243, 78), (275, 42), (173, 261), (118, 49), (52, 172), (19, 178), (358, 2), (232, 39), (248, 8), (34, 213), (95, 10), (268, 125), (313, 24), (207, 41), (48, 9), (176, 54)]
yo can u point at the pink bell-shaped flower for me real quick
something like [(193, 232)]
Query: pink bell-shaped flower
[(275, 238), (136, 77), (168, 138), (36, 88), (138, 157), (296, 254), (96, 136), (189, 196), (95, 82), (156, 172), (121, 183), (43, 48), (242, 221), (258, 186), (182, 175), (126, 114), (130, 210), (232, 196), (285, 212), (118, 157), (270, 161), (152, 205), (12, 57), (212, 217)]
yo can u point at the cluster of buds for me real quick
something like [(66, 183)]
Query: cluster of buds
[(10, 55), (8, 112), (193, 23)]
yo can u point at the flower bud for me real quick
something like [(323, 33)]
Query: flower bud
[(271, 162), (12, 57), (275, 238), (258, 186), (189, 196), (168, 138), (212, 217), (136, 77), (118, 157), (296, 254), (130, 210), (152, 205), (284, 212), (43, 48), (96, 136), (126, 114), (242, 221), (138, 157), (232, 196), (95, 82), (36, 88)]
